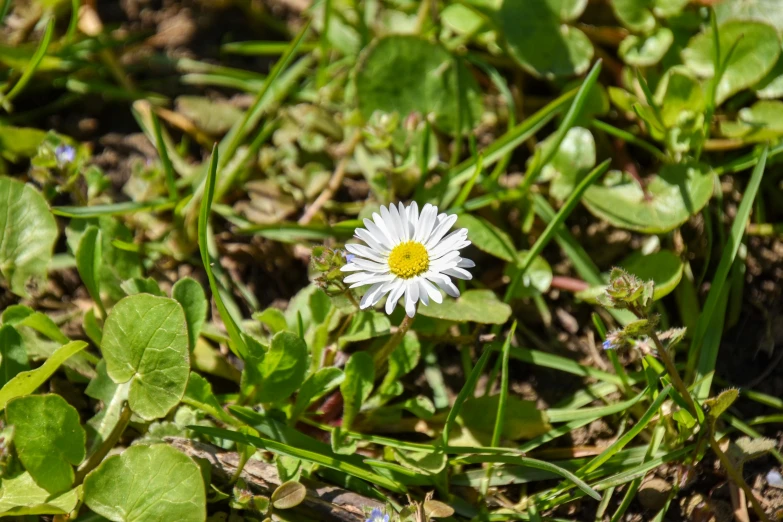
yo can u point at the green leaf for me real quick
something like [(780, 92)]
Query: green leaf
[(645, 51), (26, 383), (48, 438), (536, 279), (142, 285), (189, 293), (273, 318), (212, 117), (571, 163), (635, 14), (406, 74), (538, 39), (479, 306), (288, 495), (145, 342), (147, 484), (283, 369), (763, 121), (679, 93), (12, 353), (366, 325), (523, 420), (357, 385), (20, 142), (487, 237), (20, 495), (717, 406), (767, 11), (664, 268), (27, 235), (676, 193), (199, 395), (756, 49), (316, 386), (88, 263)]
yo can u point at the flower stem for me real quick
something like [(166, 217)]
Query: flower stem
[(382, 355), (736, 476)]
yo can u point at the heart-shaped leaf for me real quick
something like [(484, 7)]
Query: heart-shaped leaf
[(147, 484), (48, 438), (407, 74), (756, 49), (479, 306), (27, 235), (675, 194), (145, 342)]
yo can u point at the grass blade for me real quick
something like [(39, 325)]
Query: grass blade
[(35, 61)]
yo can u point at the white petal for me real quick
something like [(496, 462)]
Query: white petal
[(413, 216), (372, 242), (433, 239), (372, 296), (426, 221), (370, 266), (448, 243), (444, 282), (350, 267), (357, 277), (404, 221), (422, 291), (379, 232), (432, 292), (459, 273), (466, 263), (371, 279), (363, 251), (392, 224), (394, 296), (411, 298)]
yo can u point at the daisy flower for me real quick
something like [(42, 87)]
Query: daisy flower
[(407, 253)]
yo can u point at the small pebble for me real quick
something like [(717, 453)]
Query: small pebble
[(774, 479)]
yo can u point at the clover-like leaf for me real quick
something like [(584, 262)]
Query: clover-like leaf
[(145, 342), (48, 438), (27, 235), (479, 306), (406, 74), (676, 193), (147, 484), (756, 47)]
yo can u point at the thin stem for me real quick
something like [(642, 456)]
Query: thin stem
[(386, 350), (677, 381), (105, 447), (736, 476)]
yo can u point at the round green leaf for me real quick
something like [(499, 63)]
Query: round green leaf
[(675, 194), (27, 235), (478, 306), (406, 74), (771, 86), (145, 342), (567, 10), (283, 368), (147, 484), (761, 122), (523, 419), (767, 11), (635, 14), (289, 494), (538, 39), (48, 438), (536, 280), (664, 268), (572, 161), (644, 51), (755, 53)]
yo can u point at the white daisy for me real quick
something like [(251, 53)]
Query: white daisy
[(407, 254)]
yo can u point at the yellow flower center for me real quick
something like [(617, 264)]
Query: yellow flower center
[(409, 259)]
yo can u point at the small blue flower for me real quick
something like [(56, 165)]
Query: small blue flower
[(65, 154), (376, 515), (349, 258), (608, 345)]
